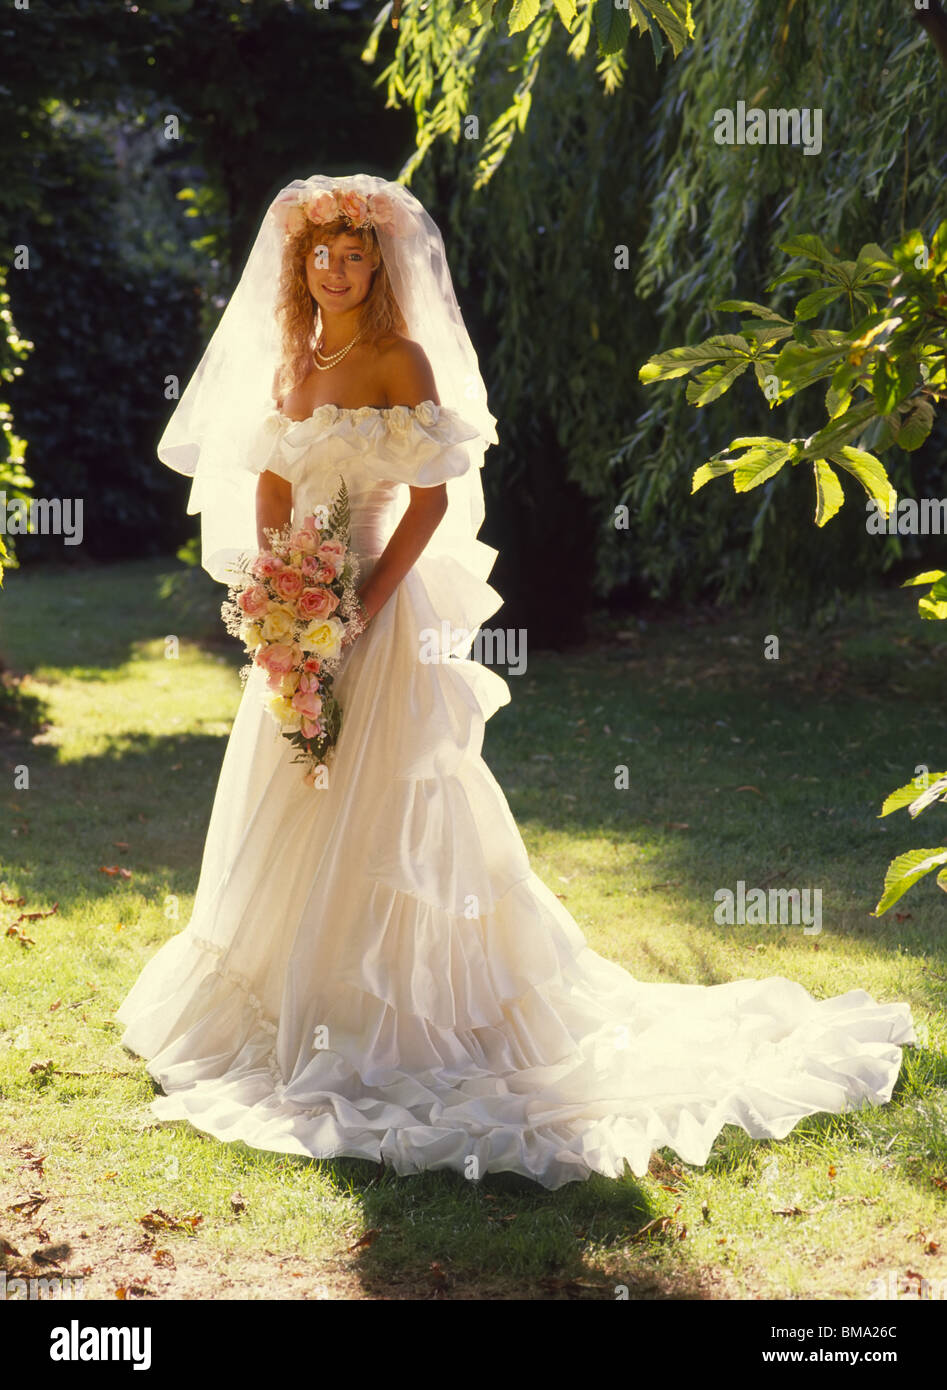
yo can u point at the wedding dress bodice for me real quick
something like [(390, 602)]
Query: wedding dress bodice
[(375, 449)]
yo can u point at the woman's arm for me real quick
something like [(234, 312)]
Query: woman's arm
[(409, 380), (414, 530), (274, 505)]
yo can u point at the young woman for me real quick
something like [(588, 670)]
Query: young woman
[(371, 967)]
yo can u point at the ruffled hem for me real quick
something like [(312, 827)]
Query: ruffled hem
[(581, 1076)]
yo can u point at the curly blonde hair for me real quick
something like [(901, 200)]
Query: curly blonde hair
[(297, 311)]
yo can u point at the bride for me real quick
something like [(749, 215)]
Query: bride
[(371, 968)]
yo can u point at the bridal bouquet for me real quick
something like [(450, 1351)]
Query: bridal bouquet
[(291, 607)]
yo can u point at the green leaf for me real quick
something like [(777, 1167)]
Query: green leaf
[(916, 425), (612, 25), (676, 20), (874, 263), (749, 306), (567, 12), (798, 366), (681, 360), (715, 468), (715, 381), (904, 796), (828, 492), (904, 871), (764, 456), (812, 247), (928, 577), (836, 402), (870, 472), (810, 304)]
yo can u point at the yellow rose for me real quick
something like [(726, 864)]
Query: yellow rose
[(278, 623), (283, 711), (324, 637), (289, 684), (252, 636)]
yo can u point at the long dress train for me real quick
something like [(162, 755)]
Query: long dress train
[(373, 969)]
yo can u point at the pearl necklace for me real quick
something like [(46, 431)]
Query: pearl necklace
[(336, 357)]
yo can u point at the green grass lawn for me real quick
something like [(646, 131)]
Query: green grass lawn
[(772, 772)]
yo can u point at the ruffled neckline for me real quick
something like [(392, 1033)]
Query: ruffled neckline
[(426, 413)]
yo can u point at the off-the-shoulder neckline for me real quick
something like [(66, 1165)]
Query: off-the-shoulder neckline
[(355, 410)]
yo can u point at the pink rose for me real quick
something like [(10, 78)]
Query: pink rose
[(308, 703), (316, 569), (312, 665), (266, 565), (383, 212), (309, 682), (323, 208), (276, 658), (288, 583), (305, 539), (332, 553), (316, 603), (253, 601), (311, 728), (354, 208)]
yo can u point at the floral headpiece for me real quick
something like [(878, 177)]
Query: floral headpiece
[(292, 209)]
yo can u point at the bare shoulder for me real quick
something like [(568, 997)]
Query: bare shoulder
[(406, 373)]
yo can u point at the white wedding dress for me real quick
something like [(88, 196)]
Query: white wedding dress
[(373, 970)]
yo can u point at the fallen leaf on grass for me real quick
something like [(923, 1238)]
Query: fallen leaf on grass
[(158, 1220), (164, 1258), (6, 1248), (750, 789), (238, 1203), (127, 1291), (28, 1205), (20, 936), (366, 1241), (113, 869)]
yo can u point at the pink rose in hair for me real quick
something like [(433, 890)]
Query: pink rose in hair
[(323, 208), (354, 208), (311, 728), (316, 603)]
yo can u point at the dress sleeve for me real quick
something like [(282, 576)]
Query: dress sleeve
[(263, 451), (421, 445)]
